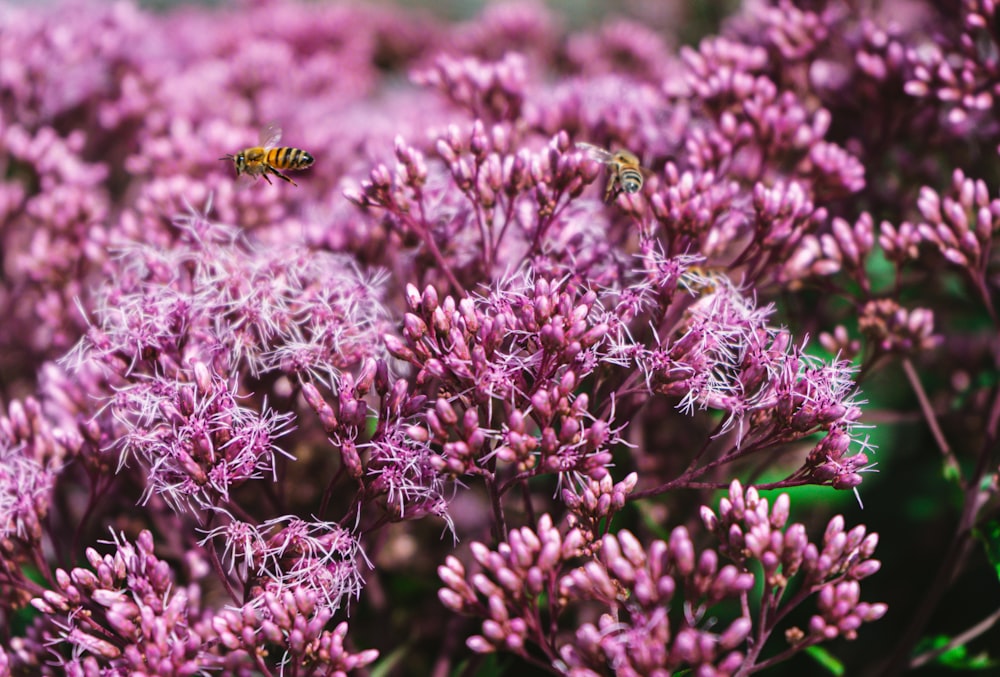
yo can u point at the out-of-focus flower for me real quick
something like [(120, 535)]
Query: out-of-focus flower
[(895, 329), (961, 225), (963, 75), (621, 46)]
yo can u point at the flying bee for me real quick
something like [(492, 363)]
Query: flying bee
[(268, 157), (624, 171)]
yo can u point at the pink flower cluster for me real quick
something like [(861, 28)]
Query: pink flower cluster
[(276, 398)]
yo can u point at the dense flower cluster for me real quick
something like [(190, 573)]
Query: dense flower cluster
[(445, 350)]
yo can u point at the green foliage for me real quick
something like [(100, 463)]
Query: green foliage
[(989, 536), (958, 657), (830, 663)]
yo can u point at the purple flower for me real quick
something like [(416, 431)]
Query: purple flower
[(750, 528), (961, 224), (490, 92), (280, 399), (125, 612), (404, 469), (621, 46), (895, 329), (643, 639), (515, 576), (313, 558), (959, 75), (553, 571), (25, 491), (524, 348), (197, 444)]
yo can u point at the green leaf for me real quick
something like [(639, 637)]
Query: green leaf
[(826, 659), (385, 664), (960, 658), (989, 536), (487, 666), (881, 271), (952, 472)]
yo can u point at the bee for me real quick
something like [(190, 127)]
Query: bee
[(268, 157), (702, 281), (624, 171)]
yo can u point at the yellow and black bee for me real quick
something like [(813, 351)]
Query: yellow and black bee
[(625, 173), (268, 157)]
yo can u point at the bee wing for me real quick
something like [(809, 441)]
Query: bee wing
[(270, 135), (595, 152)]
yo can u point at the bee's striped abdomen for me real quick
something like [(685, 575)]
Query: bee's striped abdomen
[(288, 158), (631, 180)]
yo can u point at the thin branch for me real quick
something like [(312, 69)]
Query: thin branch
[(929, 415)]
